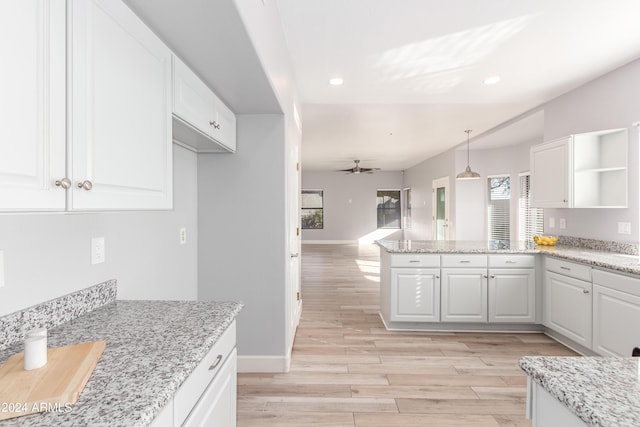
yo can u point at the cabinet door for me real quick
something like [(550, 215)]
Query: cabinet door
[(225, 131), (32, 105), (616, 316), (120, 110), (415, 295), (193, 101), (570, 307), (512, 294), (551, 174), (217, 405), (464, 295)]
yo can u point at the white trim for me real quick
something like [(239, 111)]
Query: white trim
[(266, 364), (328, 242)]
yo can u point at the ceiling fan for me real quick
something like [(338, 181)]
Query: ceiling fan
[(358, 169)]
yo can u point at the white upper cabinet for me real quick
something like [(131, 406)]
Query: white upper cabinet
[(201, 120), (120, 110), (86, 107), (32, 105), (550, 177), (586, 170)]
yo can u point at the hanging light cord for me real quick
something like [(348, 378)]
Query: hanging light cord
[(468, 131)]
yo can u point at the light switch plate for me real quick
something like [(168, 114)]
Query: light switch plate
[(563, 223), (183, 235), (552, 222), (1, 269), (624, 228), (97, 250)]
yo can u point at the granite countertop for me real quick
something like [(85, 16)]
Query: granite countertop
[(597, 258), (152, 347), (601, 391)]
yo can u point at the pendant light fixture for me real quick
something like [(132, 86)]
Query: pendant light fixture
[(468, 173)]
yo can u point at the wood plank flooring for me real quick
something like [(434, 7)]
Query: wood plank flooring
[(348, 370)]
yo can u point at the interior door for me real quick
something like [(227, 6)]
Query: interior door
[(441, 208), (294, 301)]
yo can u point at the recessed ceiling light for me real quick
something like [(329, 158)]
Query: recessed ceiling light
[(336, 81), (491, 80)]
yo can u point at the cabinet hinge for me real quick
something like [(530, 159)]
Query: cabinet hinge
[(297, 166), (297, 296), (297, 231)]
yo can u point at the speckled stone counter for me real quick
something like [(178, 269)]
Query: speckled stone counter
[(601, 391), (597, 258), (152, 347)]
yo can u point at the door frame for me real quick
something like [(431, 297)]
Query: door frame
[(441, 183)]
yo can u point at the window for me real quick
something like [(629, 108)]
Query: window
[(312, 216), (498, 215), (530, 220), (406, 201), (389, 208)]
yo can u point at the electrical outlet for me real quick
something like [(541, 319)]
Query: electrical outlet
[(552, 222), (183, 235), (563, 223), (624, 228), (97, 250), (1, 269)]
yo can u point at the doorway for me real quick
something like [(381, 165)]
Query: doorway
[(440, 204)]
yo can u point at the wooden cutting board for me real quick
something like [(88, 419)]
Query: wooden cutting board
[(50, 388)]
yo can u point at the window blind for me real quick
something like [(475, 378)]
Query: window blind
[(531, 220), (498, 206)]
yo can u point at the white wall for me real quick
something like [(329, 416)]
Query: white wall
[(349, 204), (48, 255), (471, 196), (420, 179), (243, 240), (611, 101)]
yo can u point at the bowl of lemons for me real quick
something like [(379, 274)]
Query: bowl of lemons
[(545, 240)]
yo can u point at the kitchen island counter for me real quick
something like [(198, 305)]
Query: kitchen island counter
[(620, 262), (152, 347), (600, 391)]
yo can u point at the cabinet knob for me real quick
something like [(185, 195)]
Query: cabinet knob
[(585, 291), (215, 124), (484, 276), (86, 184), (64, 183)]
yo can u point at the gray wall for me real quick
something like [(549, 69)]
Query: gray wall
[(420, 179), (349, 203), (48, 255), (612, 101), (471, 196), (242, 254)]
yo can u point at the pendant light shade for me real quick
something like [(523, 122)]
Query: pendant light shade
[(468, 173)]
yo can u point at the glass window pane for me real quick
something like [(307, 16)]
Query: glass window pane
[(312, 218), (389, 208), (311, 199)]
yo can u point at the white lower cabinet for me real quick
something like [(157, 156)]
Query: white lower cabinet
[(208, 396), (616, 314), (544, 410), (512, 294), (569, 307), (464, 295), (415, 295)]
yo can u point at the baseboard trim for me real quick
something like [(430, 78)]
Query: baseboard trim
[(329, 242), (264, 364)]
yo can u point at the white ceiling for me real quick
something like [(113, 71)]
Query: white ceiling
[(414, 70)]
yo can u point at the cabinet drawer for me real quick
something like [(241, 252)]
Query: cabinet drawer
[(464, 261), (630, 285), (512, 261), (571, 269), (415, 260), (193, 387)]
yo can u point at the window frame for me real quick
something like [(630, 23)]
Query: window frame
[(528, 215), (303, 209), (397, 209)]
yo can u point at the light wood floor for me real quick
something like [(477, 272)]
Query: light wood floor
[(347, 370)]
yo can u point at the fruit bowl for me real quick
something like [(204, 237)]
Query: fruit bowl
[(545, 240)]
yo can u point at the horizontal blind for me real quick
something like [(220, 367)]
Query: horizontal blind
[(498, 206), (531, 220)]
